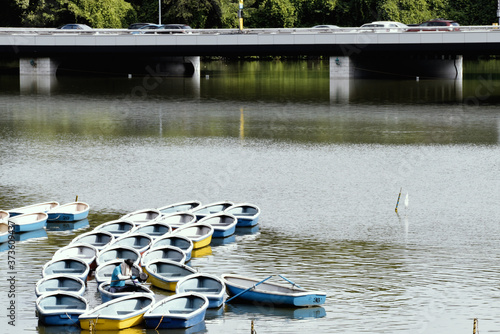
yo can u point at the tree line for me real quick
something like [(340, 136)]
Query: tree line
[(257, 13)]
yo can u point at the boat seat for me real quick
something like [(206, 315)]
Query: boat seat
[(168, 274), (202, 290), (62, 307), (62, 288), (67, 271), (181, 311)]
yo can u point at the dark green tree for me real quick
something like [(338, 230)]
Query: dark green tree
[(274, 14), (196, 13)]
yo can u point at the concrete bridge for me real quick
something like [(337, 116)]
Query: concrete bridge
[(353, 52)]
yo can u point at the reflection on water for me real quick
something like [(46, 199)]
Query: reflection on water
[(325, 174)]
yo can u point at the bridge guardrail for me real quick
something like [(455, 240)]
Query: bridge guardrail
[(139, 32)]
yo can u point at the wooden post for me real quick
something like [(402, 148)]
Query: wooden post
[(474, 328)]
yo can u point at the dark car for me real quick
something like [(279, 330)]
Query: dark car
[(138, 25), (76, 26), (176, 28), (437, 25)]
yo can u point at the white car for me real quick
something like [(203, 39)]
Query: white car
[(384, 26)]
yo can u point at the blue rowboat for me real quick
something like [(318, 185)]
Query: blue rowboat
[(104, 271), (154, 229), (210, 286), (224, 224), (118, 252), (171, 253), (29, 222), (68, 266), (60, 283), (143, 216), (179, 207), (165, 274), (178, 219), (118, 227), (106, 295), (140, 241), (246, 213), (98, 239), (178, 311), (255, 291), (60, 308), (34, 208), (86, 252), (178, 241), (210, 209), (4, 232), (118, 313), (69, 212)]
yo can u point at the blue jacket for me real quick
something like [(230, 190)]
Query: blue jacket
[(115, 277)]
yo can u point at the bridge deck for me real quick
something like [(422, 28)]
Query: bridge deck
[(20, 42)]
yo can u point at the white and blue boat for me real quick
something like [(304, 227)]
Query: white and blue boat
[(211, 208), (60, 283), (178, 311), (34, 208), (171, 253), (4, 216), (69, 212), (4, 232), (178, 219), (68, 266), (86, 252), (60, 308), (104, 272), (252, 290), (106, 295), (143, 216), (246, 213), (29, 222), (118, 252), (98, 239), (140, 241), (179, 241), (224, 224), (179, 207), (154, 229), (208, 285), (117, 228)]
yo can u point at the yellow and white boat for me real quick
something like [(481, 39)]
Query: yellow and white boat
[(119, 313), (200, 234), (165, 274)]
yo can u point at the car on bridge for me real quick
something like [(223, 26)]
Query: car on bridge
[(383, 26), (75, 26), (437, 25)]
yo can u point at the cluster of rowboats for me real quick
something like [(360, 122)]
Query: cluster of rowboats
[(160, 242)]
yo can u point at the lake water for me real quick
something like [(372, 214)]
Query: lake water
[(325, 161)]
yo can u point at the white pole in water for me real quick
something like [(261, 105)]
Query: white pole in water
[(406, 201)]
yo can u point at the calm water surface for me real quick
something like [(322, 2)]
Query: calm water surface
[(325, 161)]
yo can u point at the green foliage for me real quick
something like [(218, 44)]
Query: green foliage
[(257, 13), (274, 14)]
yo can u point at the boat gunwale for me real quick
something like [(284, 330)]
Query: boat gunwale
[(150, 314), (57, 311), (91, 314)]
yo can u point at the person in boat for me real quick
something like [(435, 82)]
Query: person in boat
[(121, 273)]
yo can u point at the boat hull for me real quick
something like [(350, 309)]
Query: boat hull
[(69, 212), (303, 300), (66, 319), (29, 222), (68, 217), (162, 283), (173, 322), (222, 233), (247, 222), (103, 323)]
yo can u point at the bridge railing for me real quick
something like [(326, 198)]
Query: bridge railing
[(270, 31)]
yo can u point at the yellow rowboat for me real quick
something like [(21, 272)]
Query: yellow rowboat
[(119, 313), (200, 234), (165, 274)]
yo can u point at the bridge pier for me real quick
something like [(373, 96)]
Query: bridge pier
[(397, 67), (38, 66)]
